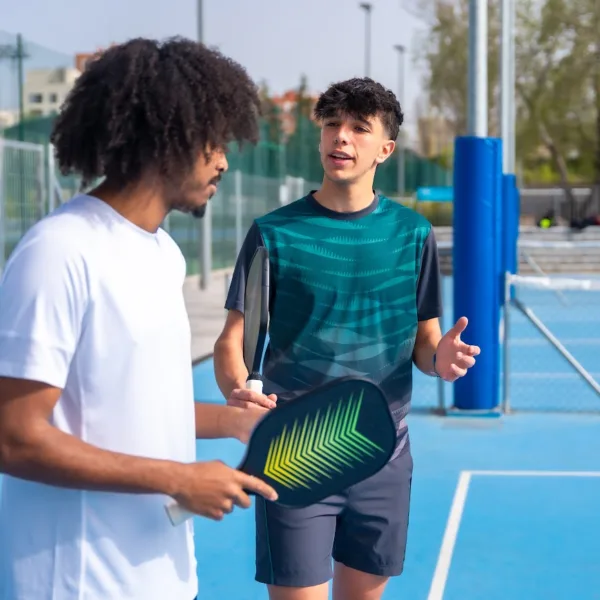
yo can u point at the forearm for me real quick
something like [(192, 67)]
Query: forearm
[(426, 345), (216, 421), (230, 371), (48, 455)]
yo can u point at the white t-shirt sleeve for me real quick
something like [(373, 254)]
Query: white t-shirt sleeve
[(44, 295)]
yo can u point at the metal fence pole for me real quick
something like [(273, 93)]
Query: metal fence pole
[(2, 210), (238, 212), (50, 181), (505, 344), (440, 382), (41, 183), (206, 248)]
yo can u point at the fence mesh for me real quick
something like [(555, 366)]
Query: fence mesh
[(23, 192), (553, 344)]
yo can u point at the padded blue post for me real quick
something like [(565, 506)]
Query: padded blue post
[(510, 196), (477, 265)]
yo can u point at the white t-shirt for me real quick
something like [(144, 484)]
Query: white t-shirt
[(93, 304)]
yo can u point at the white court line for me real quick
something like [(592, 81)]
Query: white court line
[(440, 576), (547, 375), (438, 584), (536, 473), (594, 341)]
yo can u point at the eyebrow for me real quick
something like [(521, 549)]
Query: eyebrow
[(363, 120)]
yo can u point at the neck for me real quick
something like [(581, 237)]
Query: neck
[(141, 203), (351, 197)]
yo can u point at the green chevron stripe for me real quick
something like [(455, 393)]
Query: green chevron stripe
[(323, 444)]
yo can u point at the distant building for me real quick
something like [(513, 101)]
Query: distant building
[(46, 89)]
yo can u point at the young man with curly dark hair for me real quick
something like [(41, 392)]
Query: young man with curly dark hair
[(356, 291), (97, 414)]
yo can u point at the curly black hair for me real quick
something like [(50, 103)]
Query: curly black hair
[(154, 106), (361, 97)]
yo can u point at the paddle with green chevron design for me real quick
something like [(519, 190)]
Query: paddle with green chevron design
[(320, 443)]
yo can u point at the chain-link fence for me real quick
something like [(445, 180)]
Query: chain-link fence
[(552, 337), (30, 188), (24, 191), (241, 198)]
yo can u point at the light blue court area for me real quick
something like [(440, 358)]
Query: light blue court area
[(501, 509)]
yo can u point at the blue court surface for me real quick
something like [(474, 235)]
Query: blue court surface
[(502, 508)]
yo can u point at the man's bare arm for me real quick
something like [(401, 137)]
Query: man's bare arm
[(32, 448), (218, 421), (230, 370), (429, 335)]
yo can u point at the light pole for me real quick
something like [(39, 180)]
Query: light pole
[(507, 86), (199, 19), (401, 155), (367, 7), (205, 266), (477, 121)]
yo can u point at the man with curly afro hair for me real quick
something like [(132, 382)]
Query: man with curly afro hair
[(97, 415), (356, 291)]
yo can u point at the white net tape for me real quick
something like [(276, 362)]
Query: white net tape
[(554, 283)]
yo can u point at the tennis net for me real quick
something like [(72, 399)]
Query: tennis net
[(552, 343)]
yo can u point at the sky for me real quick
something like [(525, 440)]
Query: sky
[(276, 40)]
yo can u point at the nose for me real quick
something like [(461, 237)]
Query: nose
[(342, 134), (222, 164)]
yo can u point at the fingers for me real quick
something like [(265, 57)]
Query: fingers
[(256, 485), (459, 327), (464, 361), (470, 350), (242, 500), (458, 371), (243, 397)]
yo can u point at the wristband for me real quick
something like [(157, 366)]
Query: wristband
[(434, 369)]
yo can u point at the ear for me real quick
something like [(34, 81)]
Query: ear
[(386, 151)]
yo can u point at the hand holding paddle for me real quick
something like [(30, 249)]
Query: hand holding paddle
[(453, 356), (246, 398), (317, 445), (212, 490)]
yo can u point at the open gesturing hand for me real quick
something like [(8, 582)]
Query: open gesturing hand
[(453, 356)]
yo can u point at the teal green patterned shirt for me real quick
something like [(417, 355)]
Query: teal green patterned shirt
[(347, 293)]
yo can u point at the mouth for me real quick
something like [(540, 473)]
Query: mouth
[(340, 158)]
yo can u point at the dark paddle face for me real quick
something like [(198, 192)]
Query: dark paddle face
[(256, 309), (322, 442)]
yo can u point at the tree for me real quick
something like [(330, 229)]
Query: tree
[(557, 77)]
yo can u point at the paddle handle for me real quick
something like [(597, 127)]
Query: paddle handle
[(176, 513), (254, 383)]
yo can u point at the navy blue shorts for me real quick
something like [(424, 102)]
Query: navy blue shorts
[(365, 529)]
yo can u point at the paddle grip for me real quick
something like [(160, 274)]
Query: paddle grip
[(254, 383), (177, 514)]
